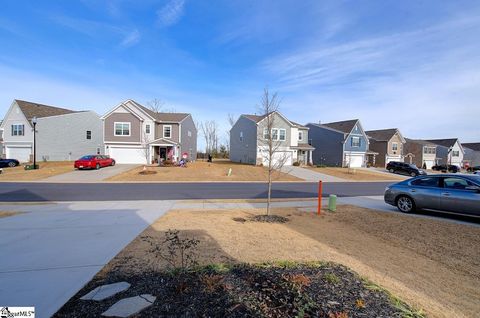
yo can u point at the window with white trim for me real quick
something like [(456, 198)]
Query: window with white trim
[(167, 131), (282, 135), (274, 134), (147, 128), (355, 141), (241, 136), (266, 135), (455, 153), (89, 134), (18, 130), (394, 146), (189, 133), (300, 136), (122, 129)]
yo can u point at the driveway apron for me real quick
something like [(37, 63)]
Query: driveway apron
[(310, 175), (52, 250)]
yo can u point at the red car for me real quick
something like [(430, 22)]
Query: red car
[(94, 162)]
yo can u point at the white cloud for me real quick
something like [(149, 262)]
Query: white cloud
[(171, 13), (131, 38)]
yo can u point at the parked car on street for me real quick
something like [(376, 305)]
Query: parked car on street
[(457, 193), (94, 162), (4, 163), (404, 168), (446, 168), (473, 169)]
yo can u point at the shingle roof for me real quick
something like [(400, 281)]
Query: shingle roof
[(163, 117), (257, 118), (421, 142), (31, 110), (444, 142), (345, 126), (382, 134), (472, 145)]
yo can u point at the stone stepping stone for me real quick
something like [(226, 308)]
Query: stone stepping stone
[(130, 306), (106, 291)]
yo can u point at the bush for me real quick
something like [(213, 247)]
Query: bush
[(296, 163), (321, 166)]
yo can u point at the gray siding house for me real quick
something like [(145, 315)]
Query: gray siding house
[(339, 144), (449, 151), (136, 134), (472, 153), (421, 153), (249, 138), (61, 134)]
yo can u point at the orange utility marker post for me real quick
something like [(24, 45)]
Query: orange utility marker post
[(319, 197)]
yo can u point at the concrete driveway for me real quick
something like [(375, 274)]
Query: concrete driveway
[(52, 250), (310, 175), (91, 175)]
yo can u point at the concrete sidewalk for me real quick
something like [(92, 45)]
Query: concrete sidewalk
[(86, 176), (310, 175), (51, 251)]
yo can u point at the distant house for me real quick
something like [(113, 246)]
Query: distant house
[(61, 134), (249, 132), (342, 144), (449, 151), (472, 153), (1, 141), (135, 134), (388, 143), (422, 153)]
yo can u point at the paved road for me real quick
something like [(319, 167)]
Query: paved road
[(13, 192)]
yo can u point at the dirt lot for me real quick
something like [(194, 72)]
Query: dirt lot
[(357, 174), (47, 169), (203, 171), (433, 265)]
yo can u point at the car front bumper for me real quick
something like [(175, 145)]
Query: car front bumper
[(389, 197)]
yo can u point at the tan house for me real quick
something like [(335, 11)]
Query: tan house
[(388, 143), (135, 134), (422, 153)]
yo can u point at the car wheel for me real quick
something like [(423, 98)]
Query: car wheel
[(113, 163), (391, 170), (97, 166), (413, 174), (12, 164), (405, 204)]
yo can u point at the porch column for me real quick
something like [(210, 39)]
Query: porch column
[(310, 157)]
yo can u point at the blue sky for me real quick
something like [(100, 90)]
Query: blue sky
[(414, 65)]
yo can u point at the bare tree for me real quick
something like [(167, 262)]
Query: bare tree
[(145, 150), (156, 105), (209, 130), (270, 139), (231, 121)]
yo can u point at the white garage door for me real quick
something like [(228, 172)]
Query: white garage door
[(278, 157), (127, 155), (429, 164), (393, 158), (354, 160), (22, 154)]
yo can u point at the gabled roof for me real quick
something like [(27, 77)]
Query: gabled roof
[(259, 118), (31, 110), (345, 126), (384, 134), (421, 142), (472, 145), (163, 117), (444, 142)]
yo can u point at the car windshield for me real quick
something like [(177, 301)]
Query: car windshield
[(86, 158)]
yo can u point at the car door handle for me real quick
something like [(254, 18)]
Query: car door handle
[(446, 194), (413, 190)]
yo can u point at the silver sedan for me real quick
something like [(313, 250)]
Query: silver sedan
[(457, 193)]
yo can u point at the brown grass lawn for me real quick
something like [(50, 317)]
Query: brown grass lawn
[(428, 263), (4, 214), (356, 174), (47, 169), (203, 171)]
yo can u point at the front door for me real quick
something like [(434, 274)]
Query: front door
[(163, 153)]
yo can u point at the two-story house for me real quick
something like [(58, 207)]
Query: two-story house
[(249, 139), (61, 134), (340, 144), (388, 143), (472, 153), (449, 151), (422, 153), (135, 134)]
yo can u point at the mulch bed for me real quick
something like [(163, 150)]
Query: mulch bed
[(147, 172), (266, 290)]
